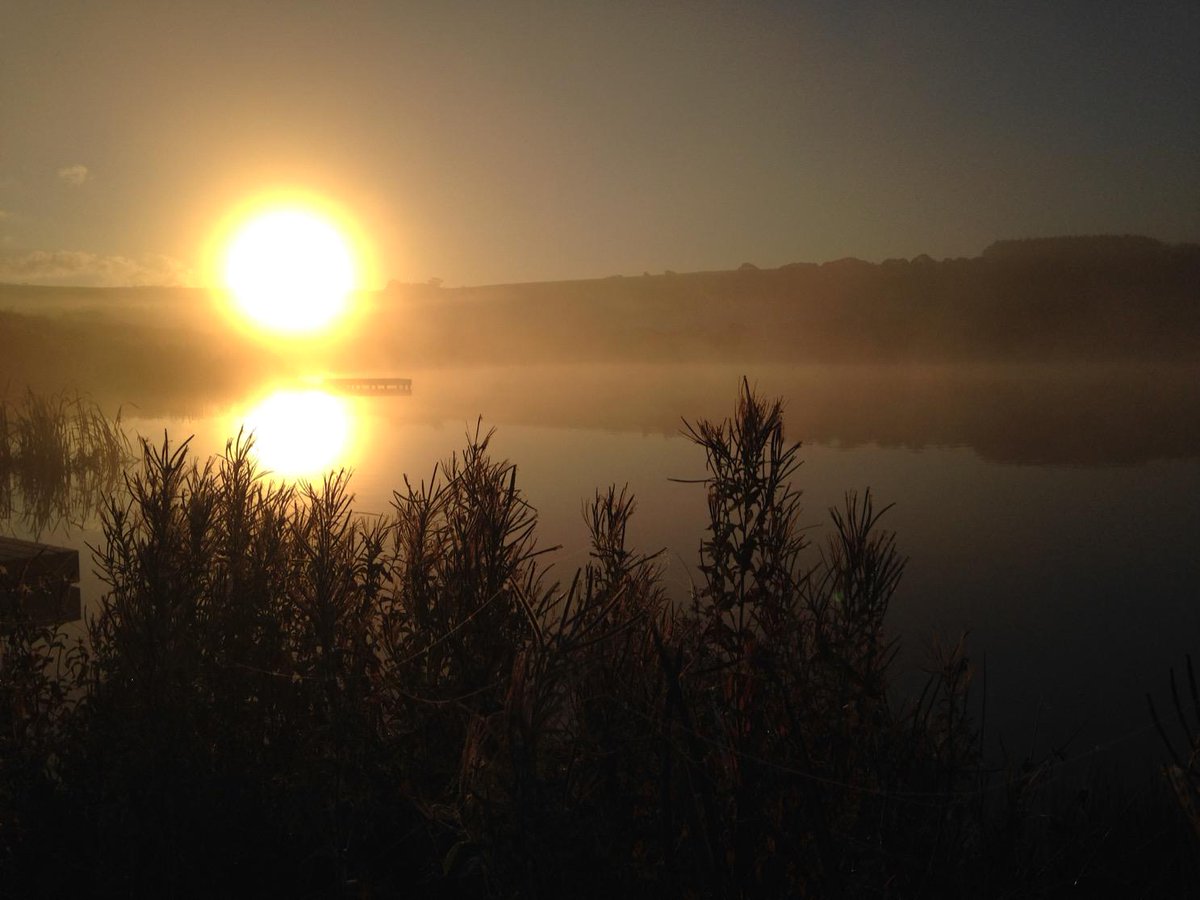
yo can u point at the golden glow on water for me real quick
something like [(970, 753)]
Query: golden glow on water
[(302, 433)]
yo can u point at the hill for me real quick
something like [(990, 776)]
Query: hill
[(1061, 299), (1101, 299)]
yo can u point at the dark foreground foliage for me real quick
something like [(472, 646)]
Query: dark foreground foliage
[(278, 696)]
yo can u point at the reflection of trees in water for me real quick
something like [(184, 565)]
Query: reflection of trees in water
[(59, 456)]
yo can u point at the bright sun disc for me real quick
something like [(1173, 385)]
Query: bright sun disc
[(290, 270)]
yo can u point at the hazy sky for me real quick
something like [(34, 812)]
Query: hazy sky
[(493, 142)]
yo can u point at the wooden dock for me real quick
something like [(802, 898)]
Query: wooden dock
[(38, 581), (400, 386)]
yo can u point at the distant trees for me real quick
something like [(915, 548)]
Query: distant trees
[(1097, 249), (1057, 299)]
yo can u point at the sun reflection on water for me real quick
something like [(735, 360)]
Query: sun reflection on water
[(301, 433)]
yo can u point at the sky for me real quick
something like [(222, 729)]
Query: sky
[(487, 143)]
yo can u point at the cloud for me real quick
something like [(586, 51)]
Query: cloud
[(74, 175), (79, 268)]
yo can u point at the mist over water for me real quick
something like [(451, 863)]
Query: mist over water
[(1046, 511), (1040, 458)]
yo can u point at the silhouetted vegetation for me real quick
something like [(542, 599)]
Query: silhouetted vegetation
[(280, 696), (59, 457), (1183, 770)]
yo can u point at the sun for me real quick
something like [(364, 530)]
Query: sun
[(290, 270)]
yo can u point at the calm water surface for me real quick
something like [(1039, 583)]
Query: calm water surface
[(1074, 569)]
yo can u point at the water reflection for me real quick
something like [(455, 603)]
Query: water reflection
[(1089, 415), (60, 455), (301, 433)]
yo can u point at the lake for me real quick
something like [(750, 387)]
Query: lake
[(1050, 513)]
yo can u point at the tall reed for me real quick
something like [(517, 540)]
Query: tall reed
[(59, 456)]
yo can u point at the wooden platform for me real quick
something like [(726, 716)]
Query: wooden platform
[(41, 579), (370, 385)]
